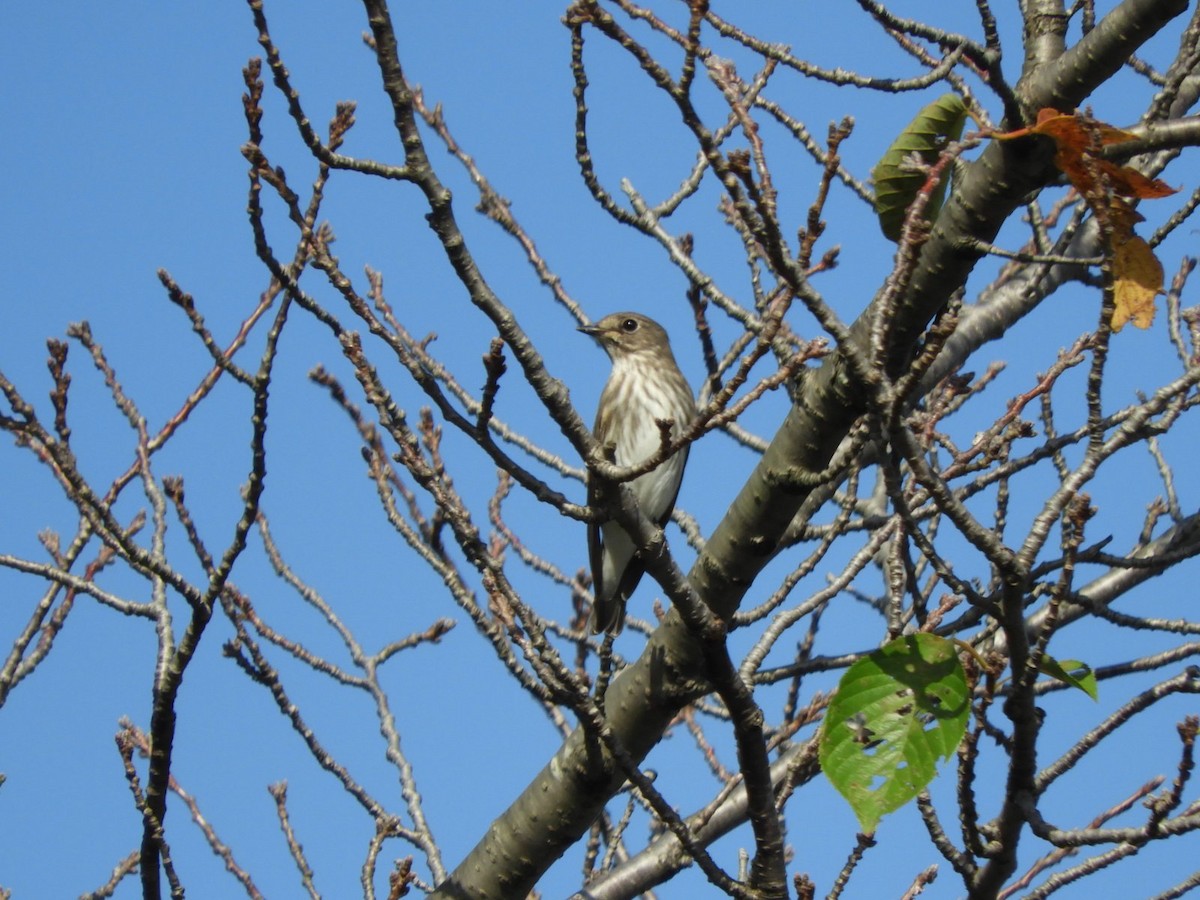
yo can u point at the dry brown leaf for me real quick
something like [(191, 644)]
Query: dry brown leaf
[(1075, 137), (1137, 273), (1068, 129)]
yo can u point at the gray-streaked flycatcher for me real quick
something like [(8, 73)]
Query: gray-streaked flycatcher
[(644, 388)]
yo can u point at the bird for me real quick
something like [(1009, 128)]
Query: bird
[(644, 388)]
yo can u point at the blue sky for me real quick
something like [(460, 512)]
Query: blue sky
[(122, 157)]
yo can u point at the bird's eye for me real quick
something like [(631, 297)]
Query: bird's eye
[(629, 326)]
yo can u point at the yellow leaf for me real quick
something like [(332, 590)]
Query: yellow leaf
[(1138, 279)]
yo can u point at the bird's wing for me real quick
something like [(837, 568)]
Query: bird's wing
[(666, 516), (635, 569), (595, 547)]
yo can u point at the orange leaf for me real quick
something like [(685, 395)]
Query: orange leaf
[(1137, 280), (1070, 130), (1076, 139), (1065, 128)]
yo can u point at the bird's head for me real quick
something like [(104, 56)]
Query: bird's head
[(628, 333)]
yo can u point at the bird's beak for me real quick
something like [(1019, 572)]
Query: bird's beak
[(591, 330)]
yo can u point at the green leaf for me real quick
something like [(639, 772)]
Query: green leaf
[(1072, 673), (895, 713), (897, 185)]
